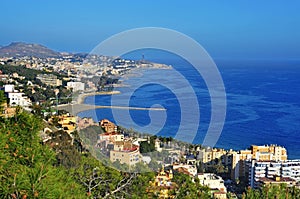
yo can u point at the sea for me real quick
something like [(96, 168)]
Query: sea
[(262, 103)]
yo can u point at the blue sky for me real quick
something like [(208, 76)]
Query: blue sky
[(227, 29)]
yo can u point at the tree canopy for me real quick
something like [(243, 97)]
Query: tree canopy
[(26, 167)]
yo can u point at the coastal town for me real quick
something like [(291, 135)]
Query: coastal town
[(69, 75), (149, 99), (225, 173), (213, 167)]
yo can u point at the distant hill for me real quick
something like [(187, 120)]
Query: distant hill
[(20, 49)]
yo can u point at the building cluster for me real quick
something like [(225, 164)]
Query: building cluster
[(78, 72), (78, 66), (5, 78), (162, 184), (258, 165), (117, 146), (126, 150), (214, 182), (66, 63), (16, 98)]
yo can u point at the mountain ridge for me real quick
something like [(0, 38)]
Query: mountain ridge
[(22, 49)]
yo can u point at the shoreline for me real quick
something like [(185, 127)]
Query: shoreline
[(81, 97), (133, 73)]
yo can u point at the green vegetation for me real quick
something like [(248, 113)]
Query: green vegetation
[(188, 189), (2, 100), (146, 147), (89, 135), (271, 192), (39, 92), (29, 74), (26, 167), (103, 83)]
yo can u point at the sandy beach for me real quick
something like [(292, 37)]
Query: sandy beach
[(82, 96)]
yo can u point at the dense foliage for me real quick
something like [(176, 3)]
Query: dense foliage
[(189, 189), (146, 147), (29, 74), (27, 167), (274, 191), (103, 83), (2, 100)]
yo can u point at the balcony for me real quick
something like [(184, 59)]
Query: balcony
[(259, 175), (273, 168), (286, 168)]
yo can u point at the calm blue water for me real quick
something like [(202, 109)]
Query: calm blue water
[(263, 104)]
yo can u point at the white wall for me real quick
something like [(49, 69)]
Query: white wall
[(9, 88), (76, 86)]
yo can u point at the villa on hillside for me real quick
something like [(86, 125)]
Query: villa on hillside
[(108, 126), (83, 123), (67, 122), (129, 156), (162, 184), (116, 146), (17, 98)]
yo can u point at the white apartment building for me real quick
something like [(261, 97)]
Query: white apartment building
[(262, 169), (291, 168), (76, 86), (212, 181), (270, 169), (19, 99)]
